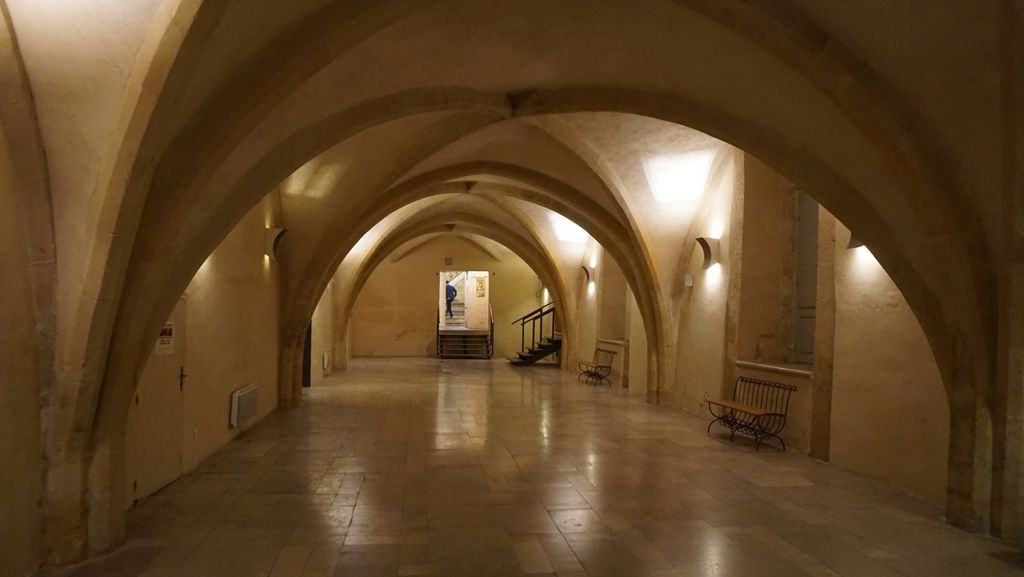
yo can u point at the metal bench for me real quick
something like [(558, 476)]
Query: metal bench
[(598, 371), (757, 409)]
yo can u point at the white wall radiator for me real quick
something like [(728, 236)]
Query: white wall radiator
[(245, 403)]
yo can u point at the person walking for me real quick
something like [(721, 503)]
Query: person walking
[(449, 296)]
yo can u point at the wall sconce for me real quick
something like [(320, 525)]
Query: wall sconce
[(709, 246), (855, 242), (271, 240)]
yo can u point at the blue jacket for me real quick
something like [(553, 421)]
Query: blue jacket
[(450, 292)]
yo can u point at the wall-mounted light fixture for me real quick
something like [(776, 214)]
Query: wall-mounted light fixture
[(709, 246), (589, 281), (855, 242), (271, 240)]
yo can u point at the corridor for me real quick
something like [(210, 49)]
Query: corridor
[(428, 467)]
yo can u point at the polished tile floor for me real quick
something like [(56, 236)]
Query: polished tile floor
[(424, 467)]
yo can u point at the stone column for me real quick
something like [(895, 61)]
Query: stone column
[(106, 492), (1008, 468), (969, 485), (824, 339)]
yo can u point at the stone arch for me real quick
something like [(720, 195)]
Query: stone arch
[(533, 187), (28, 306), (488, 228), (843, 194), (956, 319)]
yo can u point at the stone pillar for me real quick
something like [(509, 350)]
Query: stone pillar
[(969, 485), (64, 509), (824, 339), (1008, 468), (289, 390), (732, 252), (106, 493), (654, 392)]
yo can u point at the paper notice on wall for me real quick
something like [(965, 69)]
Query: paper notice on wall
[(165, 342), (481, 286)]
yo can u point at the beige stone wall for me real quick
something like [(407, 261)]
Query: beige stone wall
[(767, 281), (701, 340), (20, 443), (323, 337), (613, 301), (588, 309), (637, 349), (231, 335), (395, 314), (890, 419)]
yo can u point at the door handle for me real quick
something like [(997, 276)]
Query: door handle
[(181, 378)]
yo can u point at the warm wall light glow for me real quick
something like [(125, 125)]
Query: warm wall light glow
[(546, 296), (713, 276), (717, 229), (591, 288), (593, 259), (864, 257), (315, 179), (567, 230), (678, 178)]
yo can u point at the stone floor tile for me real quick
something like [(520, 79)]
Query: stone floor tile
[(425, 467)]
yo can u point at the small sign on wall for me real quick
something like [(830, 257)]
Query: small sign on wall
[(448, 260), (165, 342)]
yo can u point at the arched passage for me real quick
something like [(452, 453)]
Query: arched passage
[(535, 188), (957, 315), (474, 224)]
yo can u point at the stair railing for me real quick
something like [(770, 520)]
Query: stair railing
[(536, 321), (490, 338)]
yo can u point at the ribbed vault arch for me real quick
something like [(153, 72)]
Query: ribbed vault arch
[(533, 187), (474, 223), (164, 171)]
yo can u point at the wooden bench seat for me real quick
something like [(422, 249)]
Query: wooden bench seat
[(758, 409), (750, 410)]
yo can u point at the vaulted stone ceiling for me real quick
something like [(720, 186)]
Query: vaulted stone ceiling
[(163, 122)]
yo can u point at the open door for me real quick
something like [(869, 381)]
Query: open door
[(154, 432), (477, 295), (441, 304)]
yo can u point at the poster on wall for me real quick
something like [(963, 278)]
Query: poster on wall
[(481, 286), (165, 342)]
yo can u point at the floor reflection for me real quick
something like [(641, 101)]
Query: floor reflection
[(418, 467)]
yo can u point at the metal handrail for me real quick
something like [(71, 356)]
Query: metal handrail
[(526, 318), (534, 318)]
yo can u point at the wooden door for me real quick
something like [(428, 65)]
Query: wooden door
[(154, 433), (478, 294)]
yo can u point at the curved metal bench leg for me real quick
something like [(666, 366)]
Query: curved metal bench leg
[(713, 421)]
